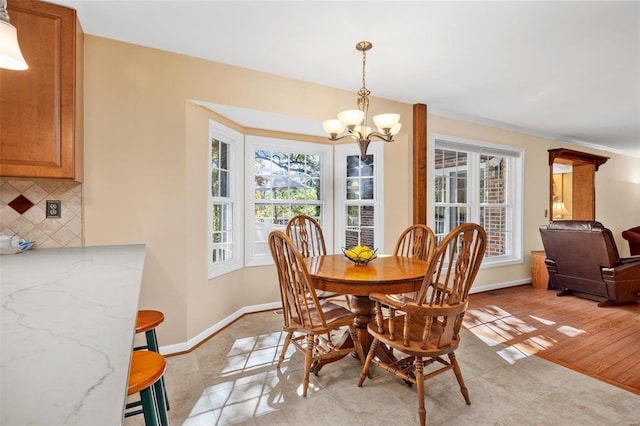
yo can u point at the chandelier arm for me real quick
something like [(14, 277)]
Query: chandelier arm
[(381, 136), (347, 135)]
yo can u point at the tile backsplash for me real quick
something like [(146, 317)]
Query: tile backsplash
[(30, 222)]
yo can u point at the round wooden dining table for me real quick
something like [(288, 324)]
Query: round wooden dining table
[(385, 274)]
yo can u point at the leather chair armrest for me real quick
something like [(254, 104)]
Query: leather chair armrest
[(629, 271), (631, 235), (636, 229), (630, 259)]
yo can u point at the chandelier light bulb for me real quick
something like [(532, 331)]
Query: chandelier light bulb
[(363, 133), (386, 121), (333, 127), (351, 117), (395, 129)]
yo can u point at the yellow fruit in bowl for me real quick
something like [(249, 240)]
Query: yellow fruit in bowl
[(351, 254), (361, 255), (367, 254)]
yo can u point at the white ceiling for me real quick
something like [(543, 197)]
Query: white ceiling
[(565, 70)]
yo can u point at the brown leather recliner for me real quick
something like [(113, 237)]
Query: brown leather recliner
[(633, 236), (582, 259)]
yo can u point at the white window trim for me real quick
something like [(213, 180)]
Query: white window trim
[(325, 151), (516, 190), (235, 140), (341, 152)]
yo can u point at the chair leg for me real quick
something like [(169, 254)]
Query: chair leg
[(367, 363), (162, 399), (152, 345), (458, 373), (308, 358), (152, 340), (149, 408), (287, 340), (422, 413)]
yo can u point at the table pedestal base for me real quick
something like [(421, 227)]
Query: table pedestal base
[(364, 310)]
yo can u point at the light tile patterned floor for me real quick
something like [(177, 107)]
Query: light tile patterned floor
[(232, 379)]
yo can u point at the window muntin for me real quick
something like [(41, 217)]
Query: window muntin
[(284, 178), (482, 183), (225, 201)]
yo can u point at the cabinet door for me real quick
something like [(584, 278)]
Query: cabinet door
[(40, 135)]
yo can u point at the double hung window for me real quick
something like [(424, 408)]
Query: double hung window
[(284, 178), (482, 183), (225, 200), (359, 189)]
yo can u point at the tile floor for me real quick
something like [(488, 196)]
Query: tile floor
[(232, 379)]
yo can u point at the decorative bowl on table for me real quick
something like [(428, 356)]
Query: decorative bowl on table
[(360, 255)]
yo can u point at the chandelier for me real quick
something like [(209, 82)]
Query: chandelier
[(355, 120)]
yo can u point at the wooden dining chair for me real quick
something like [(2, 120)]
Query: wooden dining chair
[(417, 241), (308, 321), (306, 234), (427, 328)]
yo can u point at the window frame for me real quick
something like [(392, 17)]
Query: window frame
[(235, 141), (515, 189), (325, 151), (341, 153)]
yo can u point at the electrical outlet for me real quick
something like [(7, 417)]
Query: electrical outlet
[(54, 209)]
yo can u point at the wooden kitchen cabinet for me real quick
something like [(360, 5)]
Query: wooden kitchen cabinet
[(41, 108)]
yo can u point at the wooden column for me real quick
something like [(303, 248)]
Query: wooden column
[(420, 164)]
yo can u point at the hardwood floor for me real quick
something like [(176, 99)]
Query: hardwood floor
[(601, 342)]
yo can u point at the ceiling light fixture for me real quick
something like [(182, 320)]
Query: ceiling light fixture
[(355, 120), (10, 55)]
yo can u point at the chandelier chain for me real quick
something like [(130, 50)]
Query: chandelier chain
[(364, 63)]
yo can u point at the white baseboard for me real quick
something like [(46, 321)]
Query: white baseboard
[(192, 343), (500, 285)]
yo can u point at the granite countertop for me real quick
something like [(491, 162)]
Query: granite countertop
[(68, 320)]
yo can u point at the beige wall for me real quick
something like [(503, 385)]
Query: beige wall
[(145, 179)]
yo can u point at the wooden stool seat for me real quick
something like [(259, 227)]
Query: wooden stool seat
[(145, 377), (147, 320), (146, 369)]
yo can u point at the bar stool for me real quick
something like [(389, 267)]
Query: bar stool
[(146, 370), (147, 321)]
